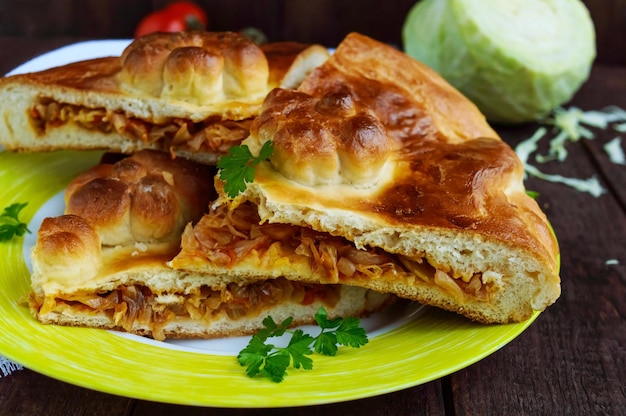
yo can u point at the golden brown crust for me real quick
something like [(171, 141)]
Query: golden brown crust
[(68, 235), (68, 249), (121, 217), (291, 62), (147, 197), (457, 176), (196, 66), (112, 225), (337, 142), (96, 75), (408, 96)]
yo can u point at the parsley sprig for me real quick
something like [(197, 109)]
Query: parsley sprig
[(268, 360), (236, 168), (10, 224)]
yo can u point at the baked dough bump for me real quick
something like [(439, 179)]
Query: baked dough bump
[(145, 198), (195, 66), (323, 141)]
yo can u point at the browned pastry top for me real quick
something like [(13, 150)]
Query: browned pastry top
[(291, 62), (147, 197), (325, 140), (196, 66)]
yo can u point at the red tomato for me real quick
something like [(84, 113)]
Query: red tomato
[(175, 17), (190, 12), (158, 21)]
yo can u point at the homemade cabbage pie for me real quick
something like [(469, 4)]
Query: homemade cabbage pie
[(384, 182)]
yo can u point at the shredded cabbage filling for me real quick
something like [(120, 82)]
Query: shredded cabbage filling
[(227, 237), (213, 134), (135, 306)]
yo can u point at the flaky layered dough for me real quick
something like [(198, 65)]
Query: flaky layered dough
[(190, 93), (452, 196)]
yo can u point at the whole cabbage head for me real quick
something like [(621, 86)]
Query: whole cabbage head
[(515, 59)]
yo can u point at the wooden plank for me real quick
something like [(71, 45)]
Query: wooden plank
[(234, 15), (89, 18), (25, 393), (572, 360), (328, 22), (609, 17)]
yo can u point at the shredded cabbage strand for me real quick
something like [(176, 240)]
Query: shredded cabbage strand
[(591, 185), (571, 125), (615, 151)]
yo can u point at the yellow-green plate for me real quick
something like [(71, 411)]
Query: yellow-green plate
[(409, 345)]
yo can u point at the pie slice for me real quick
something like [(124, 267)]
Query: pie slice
[(189, 93), (383, 177)]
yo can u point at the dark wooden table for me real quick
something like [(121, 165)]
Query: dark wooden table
[(572, 360)]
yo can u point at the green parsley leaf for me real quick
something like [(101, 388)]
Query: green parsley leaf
[(343, 332), (10, 224), (275, 365), (349, 333), (272, 329), (299, 348), (236, 168), (326, 344), (267, 360), (532, 194), (321, 317), (266, 151), (254, 356)]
